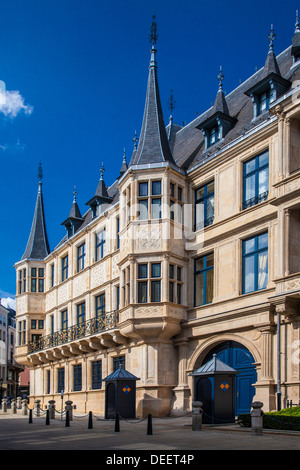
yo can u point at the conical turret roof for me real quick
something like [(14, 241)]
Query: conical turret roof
[(38, 245), (153, 144)]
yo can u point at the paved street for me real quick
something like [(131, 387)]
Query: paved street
[(169, 434)]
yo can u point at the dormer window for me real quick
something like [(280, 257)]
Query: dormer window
[(265, 99), (214, 135)]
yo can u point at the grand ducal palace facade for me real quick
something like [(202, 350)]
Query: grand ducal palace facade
[(193, 251)]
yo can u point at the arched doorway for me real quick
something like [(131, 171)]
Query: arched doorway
[(239, 358)]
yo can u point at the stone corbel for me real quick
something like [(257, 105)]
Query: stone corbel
[(288, 309)]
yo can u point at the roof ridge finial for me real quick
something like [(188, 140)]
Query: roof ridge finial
[(135, 140), (171, 105), (102, 169), (297, 26), (124, 156), (40, 172), (220, 78), (74, 194), (153, 31), (271, 38)]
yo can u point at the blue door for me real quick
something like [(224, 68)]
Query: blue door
[(237, 356)]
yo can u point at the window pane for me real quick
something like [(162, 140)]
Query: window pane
[(142, 271), (249, 274), (209, 286), (143, 209), (249, 187), (155, 291), (142, 292), (199, 289), (210, 207), (262, 270), (155, 270), (200, 193), (263, 241), (249, 245), (263, 159), (209, 260), (249, 166), (171, 291), (156, 208), (156, 187), (33, 272), (263, 181), (199, 264), (143, 189)]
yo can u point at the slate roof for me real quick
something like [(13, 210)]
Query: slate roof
[(184, 146), (212, 367), (37, 245)]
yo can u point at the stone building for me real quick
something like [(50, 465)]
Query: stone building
[(192, 251)]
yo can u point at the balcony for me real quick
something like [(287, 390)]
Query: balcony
[(93, 334)]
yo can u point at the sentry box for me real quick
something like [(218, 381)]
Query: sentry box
[(214, 386), (120, 394)]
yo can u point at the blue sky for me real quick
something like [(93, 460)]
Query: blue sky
[(79, 72)]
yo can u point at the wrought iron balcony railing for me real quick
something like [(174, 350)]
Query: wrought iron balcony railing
[(81, 330), (255, 200)]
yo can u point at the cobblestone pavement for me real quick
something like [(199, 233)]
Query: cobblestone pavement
[(168, 434)]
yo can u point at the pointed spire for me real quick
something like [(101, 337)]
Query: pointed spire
[(73, 222), (271, 65), (38, 245), (220, 104), (171, 105), (75, 211), (124, 166), (135, 141), (296, 39), (153, 144)]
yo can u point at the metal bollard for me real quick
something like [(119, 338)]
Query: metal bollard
[(90, 424), (30, 416), (257, 418), (69, 408), (149, 425), (197, 413), (13, 406), (19, 399), (4, 405), (117, 423), (24, 407), (47, 418), (51, 408), (37, 408), (67, 423)]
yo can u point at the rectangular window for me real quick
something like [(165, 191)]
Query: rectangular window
[(96, 374), (149, 286), (256, 180), (60, 380), (100, 245), (64, 320), (80, 313), (255, 263), (64, 268), (80, 257), (117, 362), (100, 305), (264, 101), (41, 324), (33, 279), (48, 382), (149, 203), (37, 279), (33, 324), (77, 378), (204, 206), (204, 280), (52, 275), (22, 281), (118, 232)]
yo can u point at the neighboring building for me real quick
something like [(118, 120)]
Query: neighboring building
[(9, 368), (131, 284)]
